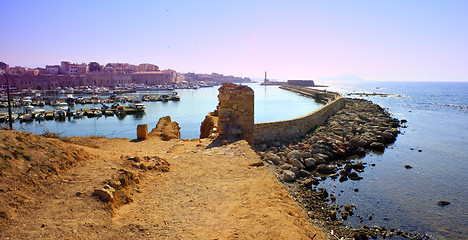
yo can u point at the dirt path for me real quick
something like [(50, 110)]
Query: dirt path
[(209, 193)]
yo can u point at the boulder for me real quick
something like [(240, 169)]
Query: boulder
[(274, 158), (306, 155), (443, 203), (361, 152), (304, 173), (286, 166), (166, 129), (389, 136), (297, 163), (289, 176), (294, 155), (295, 170), (310, 162), (326, 169), (358, 165), (354, 176), (319, 158), (106, 193), (377, 146)]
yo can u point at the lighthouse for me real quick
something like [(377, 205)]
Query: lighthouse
[(266, 79)]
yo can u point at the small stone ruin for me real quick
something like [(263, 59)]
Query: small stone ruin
[(234, 115)]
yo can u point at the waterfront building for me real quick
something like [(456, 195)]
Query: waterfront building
[(107, 79), (82, 68), (172, 73), (33, 72), (53, 69), (64, 67), (152, 78), (72, 69)]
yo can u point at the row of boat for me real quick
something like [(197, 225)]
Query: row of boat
[(62, 113), (71, 101)]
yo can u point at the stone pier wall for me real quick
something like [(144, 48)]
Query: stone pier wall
[(314, 93), (281, 130)]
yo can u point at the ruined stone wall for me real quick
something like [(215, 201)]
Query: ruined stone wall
[(273, 131), (234, 116), (236, 112)]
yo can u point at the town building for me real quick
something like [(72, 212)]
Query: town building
[(147, 67), (72, 69), (33, 72), (152, 78), (53, 69), (107, 79), (82, 68), (64, 67)]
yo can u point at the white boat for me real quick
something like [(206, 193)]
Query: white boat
[(137, 104), (28, 108), (175, 97), (26, 101), (70, 100), (95, 99), (26, 117), (40, 116)]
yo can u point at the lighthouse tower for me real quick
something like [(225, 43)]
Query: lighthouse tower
[(266, 79)]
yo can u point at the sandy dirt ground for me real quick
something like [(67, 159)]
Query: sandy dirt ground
[(210, 192)]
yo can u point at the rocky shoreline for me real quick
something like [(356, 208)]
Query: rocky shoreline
[(330, 151)]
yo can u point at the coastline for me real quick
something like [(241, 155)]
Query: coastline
[(332, 150), (338, 157), (336, 134)]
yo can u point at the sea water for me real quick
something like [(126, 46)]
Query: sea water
[(434, 144), (271, 104)]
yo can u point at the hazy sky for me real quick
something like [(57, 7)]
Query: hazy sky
[(373, 39)]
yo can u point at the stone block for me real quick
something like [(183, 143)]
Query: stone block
[(142, 131)]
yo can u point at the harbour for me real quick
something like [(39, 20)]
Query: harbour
[(42, 108), (188, 110)]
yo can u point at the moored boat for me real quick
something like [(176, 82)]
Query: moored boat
[(137, 104)]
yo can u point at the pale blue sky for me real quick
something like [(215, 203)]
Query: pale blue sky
[(373, 40)]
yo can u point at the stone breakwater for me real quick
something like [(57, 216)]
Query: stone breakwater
[(329, 151), (359, 127)]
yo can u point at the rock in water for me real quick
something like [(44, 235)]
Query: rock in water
[(353, 176), (326, 169), (377, 146), (443, 203)]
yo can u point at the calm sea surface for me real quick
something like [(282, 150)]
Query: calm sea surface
[(271, 104), (437, 115)]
